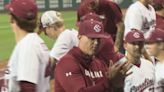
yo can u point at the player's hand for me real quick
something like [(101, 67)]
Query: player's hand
[(124, 71), (118, 72), (114, 70)]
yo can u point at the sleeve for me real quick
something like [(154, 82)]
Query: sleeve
[(117, 13), (61, 46), (134, 18), (28, 64), (71, 79), (27, 87)]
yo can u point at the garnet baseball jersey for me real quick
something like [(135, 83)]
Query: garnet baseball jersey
[(142, 78), (77, 72), (107, 9), (28, 63), (140, 17), (66, 41)]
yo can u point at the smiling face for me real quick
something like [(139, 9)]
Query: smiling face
[(88, 45)]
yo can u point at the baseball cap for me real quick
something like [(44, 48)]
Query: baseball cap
[(156, 36), (134, 36), (92, 16), (25, 9), (92, 29), (50, 17)]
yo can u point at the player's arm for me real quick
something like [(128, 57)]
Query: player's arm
[(27, 86), (50, 68), (119, 36), (28, 69), (117, 13)]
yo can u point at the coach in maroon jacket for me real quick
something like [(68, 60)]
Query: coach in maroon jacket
[(111, 14), (80, 71), (105, 51)]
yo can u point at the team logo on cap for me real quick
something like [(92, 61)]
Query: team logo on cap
[(136, 35), (97, 28)]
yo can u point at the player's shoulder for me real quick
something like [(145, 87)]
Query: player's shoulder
[(31, 39), (112, 4), (67, 62), (69, 32), (151, 8), (134, 6), (146, 62)]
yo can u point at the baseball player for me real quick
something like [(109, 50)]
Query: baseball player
[(111, 15), (28, 62), (141, 16), (155, 47), (142, 77), (52, 24), (159, 8), (85, 73)]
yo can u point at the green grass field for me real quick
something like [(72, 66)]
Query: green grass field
[(7, 40)]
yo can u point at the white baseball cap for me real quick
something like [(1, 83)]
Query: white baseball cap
[(50, 17)]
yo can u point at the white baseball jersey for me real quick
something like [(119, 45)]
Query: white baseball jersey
[(28, 63), (142, 78), (159, 75), (66, 41), (141, 18)]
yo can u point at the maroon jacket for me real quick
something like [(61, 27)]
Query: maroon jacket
[(110, 10), (77, 72), (160, 22)]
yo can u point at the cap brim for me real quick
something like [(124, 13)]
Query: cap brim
[(98, 36), (136, 40)]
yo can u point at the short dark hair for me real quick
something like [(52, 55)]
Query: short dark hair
[(28, 25)]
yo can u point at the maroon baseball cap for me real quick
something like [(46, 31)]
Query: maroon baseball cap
[(25, 9), (134, 36), (92, 16), (156, 36), (92, 29)]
